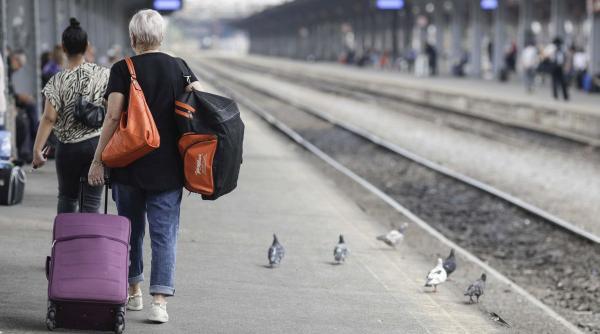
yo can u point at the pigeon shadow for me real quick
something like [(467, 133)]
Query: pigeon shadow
[(334, 263), (429, 291)]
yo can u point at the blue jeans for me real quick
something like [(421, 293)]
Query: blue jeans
[(162, 210)]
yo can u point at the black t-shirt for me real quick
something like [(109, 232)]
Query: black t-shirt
[(162, 82)]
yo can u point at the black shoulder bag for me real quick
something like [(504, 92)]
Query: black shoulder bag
[(88, 113)]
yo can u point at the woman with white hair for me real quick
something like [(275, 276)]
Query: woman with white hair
[(152, 185)]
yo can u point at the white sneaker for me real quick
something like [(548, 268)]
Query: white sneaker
[(135, 303), (158, 312)]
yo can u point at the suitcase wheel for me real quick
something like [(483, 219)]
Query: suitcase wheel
[(120, 322), (51, 317)]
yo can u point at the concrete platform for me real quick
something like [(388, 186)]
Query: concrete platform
[(503, 102), (222, 283)]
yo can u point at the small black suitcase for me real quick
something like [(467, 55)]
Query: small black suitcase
[(12, 183)]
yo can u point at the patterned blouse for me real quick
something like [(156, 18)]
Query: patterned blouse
[(62, 91)]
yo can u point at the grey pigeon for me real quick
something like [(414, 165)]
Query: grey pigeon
[(476, 289), (341, 251), (393, 237), (450, 263), (276, 252)]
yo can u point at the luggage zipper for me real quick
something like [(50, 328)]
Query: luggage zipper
[(89, 236), (213, 137)]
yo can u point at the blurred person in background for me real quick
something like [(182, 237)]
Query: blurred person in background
[(559, 59), (510, 57), (90, 54), (53, 64), (580, 66), (27, 114), (432, 56), (529, 62)]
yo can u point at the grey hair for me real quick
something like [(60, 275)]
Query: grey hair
[(148, 28)]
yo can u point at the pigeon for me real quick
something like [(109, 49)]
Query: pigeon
[(476, 289), (341, 251), (393, 237), (276, 252), (450, 263), (436, 276)]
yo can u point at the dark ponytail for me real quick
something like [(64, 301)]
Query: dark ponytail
[(74, 38)]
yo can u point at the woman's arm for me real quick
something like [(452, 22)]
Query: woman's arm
[(44, 130), (116, 102)]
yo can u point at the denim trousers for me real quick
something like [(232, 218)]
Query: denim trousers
[(162, 210), (73, 161)]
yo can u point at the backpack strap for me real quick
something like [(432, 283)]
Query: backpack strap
[(184, 70)]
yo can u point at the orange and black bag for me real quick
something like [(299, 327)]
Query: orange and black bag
[(211, 142), (137, 134)]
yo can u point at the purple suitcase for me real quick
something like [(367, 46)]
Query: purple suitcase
[(87, 272)]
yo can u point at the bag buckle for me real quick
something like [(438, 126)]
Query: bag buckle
[(187, 78)]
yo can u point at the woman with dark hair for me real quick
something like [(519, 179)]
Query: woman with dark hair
[(76, 141)]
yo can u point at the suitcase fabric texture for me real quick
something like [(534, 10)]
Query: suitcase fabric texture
[(12, 183), (211, 142), (87, 271)]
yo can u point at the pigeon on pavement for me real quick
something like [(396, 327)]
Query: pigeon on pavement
[(276, 252), (476, 289), (393, 237), (341, 251), (436, 276), (450, 263)]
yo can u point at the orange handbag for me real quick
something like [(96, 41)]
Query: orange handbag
[(136, 135)]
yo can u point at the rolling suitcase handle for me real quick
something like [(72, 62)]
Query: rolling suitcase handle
[(83, 181)]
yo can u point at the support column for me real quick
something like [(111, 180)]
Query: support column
[(499, 36), (440, 27), (594, 39), (395, 19), (407, 27), (476, 33), (5, 115), (23, 34), (525, 17), (557, 18), (458, 16), (47, 25), (3, 32)]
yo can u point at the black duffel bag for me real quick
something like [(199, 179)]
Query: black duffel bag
[(211, 141)]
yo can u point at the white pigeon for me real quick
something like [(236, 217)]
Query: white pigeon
[(276, 252), (341, 251), (436, 276), (393, 237)]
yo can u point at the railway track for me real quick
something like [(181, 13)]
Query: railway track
[(496, 128), (552, 260)]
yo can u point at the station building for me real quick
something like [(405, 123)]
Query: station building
[(480, 29)]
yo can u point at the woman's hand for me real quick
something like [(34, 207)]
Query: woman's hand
[(96, 174), (39, 159)]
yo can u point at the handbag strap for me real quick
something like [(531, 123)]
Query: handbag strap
[(130, 68)]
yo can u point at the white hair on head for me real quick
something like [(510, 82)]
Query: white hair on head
[(148, 28)]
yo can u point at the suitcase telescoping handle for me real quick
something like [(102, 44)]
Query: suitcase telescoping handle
[(83, 181)]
